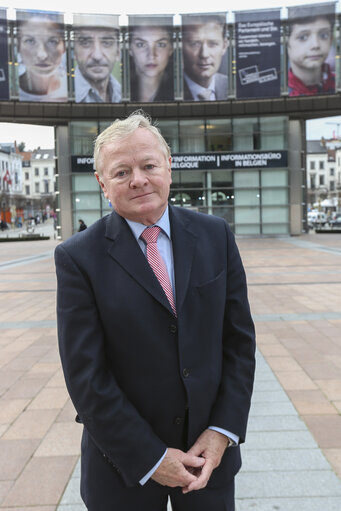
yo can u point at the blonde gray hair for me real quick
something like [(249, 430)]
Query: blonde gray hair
[(122, 128)]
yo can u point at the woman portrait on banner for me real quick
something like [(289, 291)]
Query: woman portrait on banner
[(311, 54), (41, 57), (151, 63)]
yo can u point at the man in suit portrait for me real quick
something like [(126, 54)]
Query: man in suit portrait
[(204, 44), (97, 52), (156, 338)]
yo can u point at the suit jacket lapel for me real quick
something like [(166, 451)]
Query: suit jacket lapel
[(126, 252), (184, 243)]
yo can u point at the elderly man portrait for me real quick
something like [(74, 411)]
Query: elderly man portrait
[(156, 338), (97, 50), (204, 45)]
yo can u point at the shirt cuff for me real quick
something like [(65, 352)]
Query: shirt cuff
[(151, 472), (232, 436)]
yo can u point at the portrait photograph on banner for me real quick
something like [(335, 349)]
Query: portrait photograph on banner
[(97, 58), (258, 57), (204, 54), (311, 49), (151, 62), (4, 82), (41, 56)]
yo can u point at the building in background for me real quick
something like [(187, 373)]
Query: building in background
[(27, 184), (10, 184), (246, 170), (323, 162), (39, 182)]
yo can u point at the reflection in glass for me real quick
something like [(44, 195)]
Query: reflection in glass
[(192, 136), (170, 132), (83, 135), (219, 135)]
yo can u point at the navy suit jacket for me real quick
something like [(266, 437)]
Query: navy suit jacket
[(134, 371)]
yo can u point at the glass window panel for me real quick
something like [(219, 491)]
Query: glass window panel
[(273, 133), (89, 218), (274, 177), (246, 197), (243, 179), (222, 178), (84, 183), (188, 198), (192, 137), (86, 201), (170, 132), (226, 213), (247, 229), (275, 214), (249, 215), (104, 125), (83, 135), (271, 141), (219, 135), (192, 178), (275, 229), (272, 196), (244, 131)]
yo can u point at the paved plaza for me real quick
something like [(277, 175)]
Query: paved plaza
[(292, 456)]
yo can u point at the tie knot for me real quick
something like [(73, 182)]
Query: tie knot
[(150, 234)]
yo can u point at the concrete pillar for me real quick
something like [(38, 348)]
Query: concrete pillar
[(296, 162), (63, 153)]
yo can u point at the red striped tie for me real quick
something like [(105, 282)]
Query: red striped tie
[(154, 258)]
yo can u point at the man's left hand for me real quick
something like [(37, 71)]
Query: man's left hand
[(210, 445)]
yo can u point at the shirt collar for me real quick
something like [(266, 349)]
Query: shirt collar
[(196, 89), (163, 223), (84, 89)]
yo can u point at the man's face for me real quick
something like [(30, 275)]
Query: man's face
[(96, 51), (135, 176), (309, 44), (203, 50)]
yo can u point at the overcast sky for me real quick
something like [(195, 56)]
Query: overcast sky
[(35, 136)]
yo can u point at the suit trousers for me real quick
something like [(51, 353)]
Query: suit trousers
[(153, 497)]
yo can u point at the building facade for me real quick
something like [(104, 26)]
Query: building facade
[(39, 181), (10, 182), (323, 159), (247, 170)]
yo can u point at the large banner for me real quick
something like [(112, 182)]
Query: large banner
[(4, 82), (310, 49), (258, 54), (151, 58), (41, 69), (97, 77), (204, 54)]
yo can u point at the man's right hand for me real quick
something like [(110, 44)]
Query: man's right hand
[(178, 469)]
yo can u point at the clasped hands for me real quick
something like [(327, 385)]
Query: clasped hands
[(192, 470)]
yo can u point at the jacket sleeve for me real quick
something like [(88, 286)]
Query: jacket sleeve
[(231, 408), (125, 439)]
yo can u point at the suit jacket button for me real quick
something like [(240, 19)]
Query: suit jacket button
[(173, 328), (178, 421), (185, 373)]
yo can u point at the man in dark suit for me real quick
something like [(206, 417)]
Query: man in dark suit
[(156, 338), (204, 45)]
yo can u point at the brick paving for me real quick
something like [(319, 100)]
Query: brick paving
[(292, 459)]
